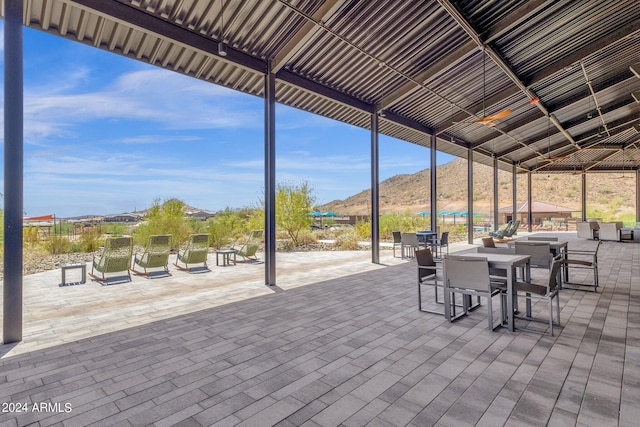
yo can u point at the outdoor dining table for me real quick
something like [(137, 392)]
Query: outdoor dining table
[(556, 247), (426, 236), (506, 262)]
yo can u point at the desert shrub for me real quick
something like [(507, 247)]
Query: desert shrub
[(113, 228), (347, 241), (165, 218), (406, 222), (363, 229), (57, 245), (323, 234), (31, 235), (90, 240), (307, 238)]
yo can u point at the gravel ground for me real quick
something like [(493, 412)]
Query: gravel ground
[(36, 261)]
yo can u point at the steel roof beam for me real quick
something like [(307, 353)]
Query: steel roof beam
[(515, 18), (427, 75), (608, 84), (308, 31), (408, 123), (569, 124), (578, 55), (584, 140), (319, 89), (502, 64), (462, 116), (131, 16)]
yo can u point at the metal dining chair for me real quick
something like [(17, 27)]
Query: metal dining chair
[(547, 292), (470, 276)]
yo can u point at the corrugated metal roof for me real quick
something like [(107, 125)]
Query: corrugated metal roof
[(431, 66)]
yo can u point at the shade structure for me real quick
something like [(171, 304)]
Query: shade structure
[(423, 213), (330, 214)]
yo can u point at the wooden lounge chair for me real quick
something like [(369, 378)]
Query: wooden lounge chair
[(195, 253), (250, 247), (155, 255), (115, 258)]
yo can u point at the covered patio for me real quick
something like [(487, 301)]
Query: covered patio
[(341, 343), (523, 86)]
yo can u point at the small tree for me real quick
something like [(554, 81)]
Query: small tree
[(293, 204), (226, 225), (165, 218)]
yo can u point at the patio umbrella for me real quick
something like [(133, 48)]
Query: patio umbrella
[(316, 215)]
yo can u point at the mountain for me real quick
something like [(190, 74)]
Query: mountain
[(606, 193)]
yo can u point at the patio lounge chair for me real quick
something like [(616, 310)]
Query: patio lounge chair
[(509, 232), (195, 253), (501, 231), (115, 258), (250, 247), (155, 255)]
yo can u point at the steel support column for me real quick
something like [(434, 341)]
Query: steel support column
[(270, 178), (375, 200), (529, 203), (13, 172), (495, 193), (583, 195), (434, 187), (637, 195), (514, 193), (470, 230)]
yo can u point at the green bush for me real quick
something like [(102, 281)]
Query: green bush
[(406, 222), (165, 218), (57, 245), (363, 229), (113, 228), (31, 235), (90, 240)]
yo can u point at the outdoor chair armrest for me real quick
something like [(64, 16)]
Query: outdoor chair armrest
[(577, 261)]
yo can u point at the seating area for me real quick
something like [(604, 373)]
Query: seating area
[(196, 252), (155, 255), (114, 262), (185, 351), (249, 248)]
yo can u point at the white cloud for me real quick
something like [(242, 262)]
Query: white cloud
[(169, 100)]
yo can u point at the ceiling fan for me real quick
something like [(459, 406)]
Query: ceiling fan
[(487, 120)]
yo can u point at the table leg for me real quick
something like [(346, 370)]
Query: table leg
[(447, 299), (511, 274)]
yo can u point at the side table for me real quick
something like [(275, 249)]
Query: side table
[(226, 256), (83, 271)]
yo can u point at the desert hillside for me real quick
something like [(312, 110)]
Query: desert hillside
[(610, 193)]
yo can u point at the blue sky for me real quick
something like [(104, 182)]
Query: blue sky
[(108, 134)]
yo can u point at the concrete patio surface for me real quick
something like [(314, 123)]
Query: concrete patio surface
[(338, 341)]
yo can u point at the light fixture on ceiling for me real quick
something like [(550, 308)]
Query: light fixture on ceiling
[(222, 48), (636, 95), (381, 113), (635, 69)]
